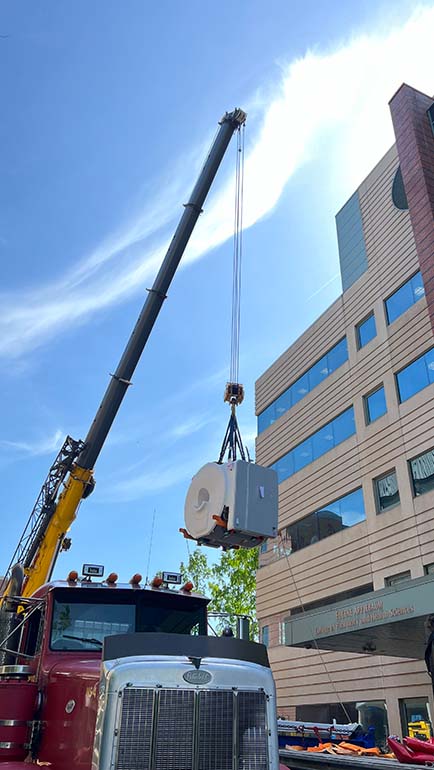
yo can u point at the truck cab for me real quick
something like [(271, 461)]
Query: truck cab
[(124, 677)]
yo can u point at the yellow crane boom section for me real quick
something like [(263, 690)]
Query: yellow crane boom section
[(66, 509)]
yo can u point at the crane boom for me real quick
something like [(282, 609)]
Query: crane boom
[(44, 543)]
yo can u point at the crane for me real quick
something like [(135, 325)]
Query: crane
[(71, 478)]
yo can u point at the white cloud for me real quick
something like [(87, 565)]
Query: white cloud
[(333, 102), (43, 446)]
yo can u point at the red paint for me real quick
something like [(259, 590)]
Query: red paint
[(17, 702)]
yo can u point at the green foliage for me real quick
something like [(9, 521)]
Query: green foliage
[(230, 584)]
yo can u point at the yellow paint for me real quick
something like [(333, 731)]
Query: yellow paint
[(64, 515)]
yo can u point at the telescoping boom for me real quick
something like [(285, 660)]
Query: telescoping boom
[(54, 513)]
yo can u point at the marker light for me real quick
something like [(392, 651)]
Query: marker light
[(136, 579), (156, 582), (112, 579), (72, 577), (188, 586)]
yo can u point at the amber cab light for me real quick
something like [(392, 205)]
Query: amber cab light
[(188, 586), (136, 579), (156, 582), (73, 576), (112, 579)]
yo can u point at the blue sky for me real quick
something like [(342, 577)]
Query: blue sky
[(108, 110)]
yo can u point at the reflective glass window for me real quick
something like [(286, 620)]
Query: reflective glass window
[(331, 518), (322, 441), (404, 297), (352, 508), (318, 373), (375, 405), (265, 635), (300, 388), (307, 382), (343, 426), (265, 419), (308, 532), (329, 436), (337, 355), (416, 376), (422, 472), (366, 331), (302, 454), (282, 404), (386, 491), (399, 196)]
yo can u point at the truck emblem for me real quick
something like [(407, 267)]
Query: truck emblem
[(198, 676), (70, 706)]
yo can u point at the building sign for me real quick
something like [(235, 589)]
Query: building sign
[(363, 614)]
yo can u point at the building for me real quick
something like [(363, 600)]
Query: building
[(346, 417)]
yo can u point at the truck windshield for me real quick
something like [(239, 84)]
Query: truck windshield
[(80, 622)]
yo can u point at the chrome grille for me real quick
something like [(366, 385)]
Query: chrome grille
[(216, 719), (178, 729), (135, 729), (252, 731), (174, 735)]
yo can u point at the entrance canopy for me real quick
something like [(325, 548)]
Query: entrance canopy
[(386, 622)]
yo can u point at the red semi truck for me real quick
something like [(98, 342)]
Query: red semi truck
[(124, 677)]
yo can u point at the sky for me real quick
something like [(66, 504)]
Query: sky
[(108, 111)]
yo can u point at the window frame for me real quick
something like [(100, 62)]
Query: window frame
[(407, 282), (375, 480), (368, 421), (412, 479), (358, 326), (419, 359)]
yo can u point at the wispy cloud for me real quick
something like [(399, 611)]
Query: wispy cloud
[(336, 99), (42, 446), (190, 426)]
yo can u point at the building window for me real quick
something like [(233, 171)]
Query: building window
[(428, 569), (263, 548), (415, 717), (333, 517), (351, 242), (335, 432), (431, 116), (265, 635), (396, 580), (366, 331), (399, 197), (386, 491), (305, 384), (406, 296), (332, 599), (282, 634), (375, 405), (416, 376), (422, 473)]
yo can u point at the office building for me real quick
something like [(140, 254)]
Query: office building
[(346, 417)]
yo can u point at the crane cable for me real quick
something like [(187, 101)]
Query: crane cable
[(234, 393), (237, 258)]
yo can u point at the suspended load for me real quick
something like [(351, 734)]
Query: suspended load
[(232, 505)]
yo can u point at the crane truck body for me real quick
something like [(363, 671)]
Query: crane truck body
[(123, 677)]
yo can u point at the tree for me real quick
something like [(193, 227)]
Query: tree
[(230, 583)]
